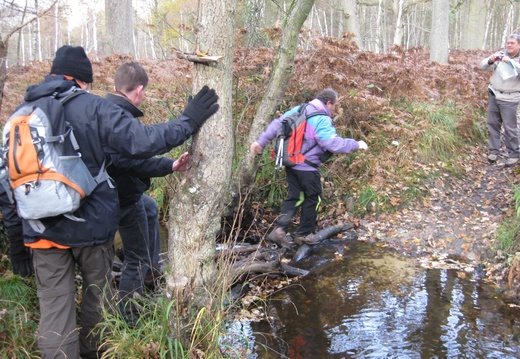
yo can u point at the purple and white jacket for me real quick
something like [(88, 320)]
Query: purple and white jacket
[(320, 129)]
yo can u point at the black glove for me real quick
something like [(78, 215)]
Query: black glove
[(21, 259), (201, 107)]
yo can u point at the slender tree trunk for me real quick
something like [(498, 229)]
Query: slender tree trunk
[(196, 210), (439, 35), (508, 25), (20, 48), (281, 75), (3, 67), (94, 34), (152, 44), (398, 31), (253, 16), (37, 35), (489, 15)]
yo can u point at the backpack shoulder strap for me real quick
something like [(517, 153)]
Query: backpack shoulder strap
[(317, 114), (64, 98), (69, 95)]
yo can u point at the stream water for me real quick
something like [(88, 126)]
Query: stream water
[(369, 302)]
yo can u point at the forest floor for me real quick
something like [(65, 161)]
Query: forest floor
[(455, 225)]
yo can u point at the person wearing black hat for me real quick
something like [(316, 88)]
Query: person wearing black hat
[(101, 129), (73, 61)]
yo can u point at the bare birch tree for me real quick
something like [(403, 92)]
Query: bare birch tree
[(439, 35), (398, 28), (37, 33)]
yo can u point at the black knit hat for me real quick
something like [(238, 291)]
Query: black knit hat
[(73, 61)]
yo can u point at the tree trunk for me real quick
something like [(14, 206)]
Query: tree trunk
[(281, 75), (37, 35), (474, 27), (398, 30), (439, 36), (56, 25), (352, 23), (253, 17), (119, 27), (379, 32), (3, 67), (196, 210)]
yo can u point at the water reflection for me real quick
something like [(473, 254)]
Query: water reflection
[(375, 304)]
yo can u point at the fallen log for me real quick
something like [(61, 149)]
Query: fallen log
[(255, 267), (302, 252), (323, 234), (293, 271), (268, 259), (238, 250)]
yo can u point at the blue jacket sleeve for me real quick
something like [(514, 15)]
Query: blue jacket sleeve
[(328, 138)]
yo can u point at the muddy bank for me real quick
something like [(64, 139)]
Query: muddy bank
[(456, 222)]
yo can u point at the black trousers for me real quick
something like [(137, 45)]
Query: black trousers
[(304, 191)]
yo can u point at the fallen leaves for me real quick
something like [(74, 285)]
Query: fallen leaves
[(458, 220)]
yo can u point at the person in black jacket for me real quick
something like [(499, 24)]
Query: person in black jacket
[(59, 244), (139, 221)]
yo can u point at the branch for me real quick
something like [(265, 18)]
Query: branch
[(197, 56), (40, 15)]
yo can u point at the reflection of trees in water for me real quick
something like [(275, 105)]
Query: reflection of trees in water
[(369, 305)]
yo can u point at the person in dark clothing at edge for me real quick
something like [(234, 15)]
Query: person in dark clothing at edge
[(304, 180), (102, 129), (139, 221)]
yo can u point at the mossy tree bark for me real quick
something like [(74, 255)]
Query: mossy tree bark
[(3, 68)]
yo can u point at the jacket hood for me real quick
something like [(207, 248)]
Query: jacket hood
[(50, 85), (317, 106)]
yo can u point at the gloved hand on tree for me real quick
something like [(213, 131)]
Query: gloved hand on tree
[(201, 107)]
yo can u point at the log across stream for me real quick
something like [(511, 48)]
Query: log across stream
[(282, 258)]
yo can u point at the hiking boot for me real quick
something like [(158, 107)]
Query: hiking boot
[(278, 236), (153, 279), (492, 158), (511, 162), (309, 239)]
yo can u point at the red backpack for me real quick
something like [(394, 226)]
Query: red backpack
[(291, 135)]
